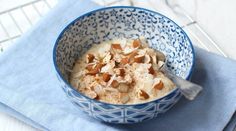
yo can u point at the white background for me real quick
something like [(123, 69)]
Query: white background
[(216, 17)]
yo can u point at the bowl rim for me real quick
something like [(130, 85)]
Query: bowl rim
[(114, 7)]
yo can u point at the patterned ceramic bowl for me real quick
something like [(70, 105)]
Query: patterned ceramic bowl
[(129, 22)]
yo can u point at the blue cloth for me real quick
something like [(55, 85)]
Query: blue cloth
[(30, 91)]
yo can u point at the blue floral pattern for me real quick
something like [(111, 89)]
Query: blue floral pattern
[(123, 22)]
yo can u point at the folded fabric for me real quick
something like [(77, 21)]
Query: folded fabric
[(30, 91)]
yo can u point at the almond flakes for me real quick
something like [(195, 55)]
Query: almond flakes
[(120, 72), (116, 46), (136, 43), (158, 85), (142, 95), (124, 61), (90, 58), (139, 58), (123, 72)]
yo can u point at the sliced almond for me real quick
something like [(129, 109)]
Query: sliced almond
[(142, 95), (128, 50), (130, 57), (124, 97), (120, 72), (93, 72), (108, 68), (133, 54), (136, 43), (158, 85), (90, 58), (116, 46), (139, 58), (124, 61), (107, 57), (92, 95), (114, 84), (99, 66), (123, 88), (106, 77), (151, 70)]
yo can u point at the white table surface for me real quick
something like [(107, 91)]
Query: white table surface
[(216, 17)]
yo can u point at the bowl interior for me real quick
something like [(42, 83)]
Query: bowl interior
[(124, 22)]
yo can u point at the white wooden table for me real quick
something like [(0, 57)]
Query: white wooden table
[(216, 17)]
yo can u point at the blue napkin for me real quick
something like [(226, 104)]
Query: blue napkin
[(30, 91)]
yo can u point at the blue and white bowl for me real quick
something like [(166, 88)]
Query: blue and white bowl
[(131, 23)]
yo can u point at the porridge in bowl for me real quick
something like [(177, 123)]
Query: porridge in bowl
[(121, 71), (74, 43)]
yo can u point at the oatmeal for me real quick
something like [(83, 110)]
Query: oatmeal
[(121, 71)]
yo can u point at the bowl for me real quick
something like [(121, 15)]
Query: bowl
[(123, 22)]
